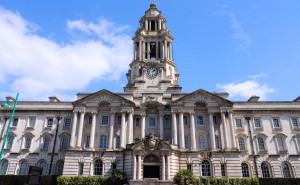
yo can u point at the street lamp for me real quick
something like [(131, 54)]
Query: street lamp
[(8, 104)]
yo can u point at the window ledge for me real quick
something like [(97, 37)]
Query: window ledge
[(277, 128), (66, 128), (283, 151), (30, 128), (259, 128), (200, 125), (296, 128), (13, 127), (263, 151), (239, 128), (44, 150), (25, 149), (48, 128)]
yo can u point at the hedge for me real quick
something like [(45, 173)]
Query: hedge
[(21, 179), (81, 180), (279, 181)]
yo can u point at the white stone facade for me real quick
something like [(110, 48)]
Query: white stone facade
[(152, 129)]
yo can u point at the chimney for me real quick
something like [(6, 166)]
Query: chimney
[(253, 98), (53, 99)]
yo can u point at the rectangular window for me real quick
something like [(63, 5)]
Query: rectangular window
[(238, 123), (167, 122), (152, 122), (189, 167), (10, 141), (104, 120), (280, 143), (87, 141), (200, 120), (46, 143), (257, 123), (185, 120), (27, 142), (217, 142), (186, 142), (15, 122), (68, 122), (137, 122), (32, 122), (80, 170), (49, 122), (118, 142), (276, 123), (90, 120), (261, 144), (215, 120), (119, 120), (223, 170), (241, 143), (295, 122)]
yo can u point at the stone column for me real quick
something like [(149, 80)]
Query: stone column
[(192, 130), (233, 142), (148, 50), (139, 167), (174, 128), (224, 130), (161, 126), (143, 123), (80, 129), (156, 50), (166, 50), (181, 131), (93, 130), (146, 24), (168, 167), (170, 53), (212, 132), (162, 50), (130, 128), (73, 134), (163, 168), (111, 130), (122, 138), (134, 167), (159, 24), (140, 50)]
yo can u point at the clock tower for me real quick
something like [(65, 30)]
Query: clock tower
[(152, 68)]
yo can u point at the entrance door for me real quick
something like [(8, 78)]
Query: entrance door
[(151, 172)]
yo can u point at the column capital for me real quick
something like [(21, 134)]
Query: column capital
[(192, 113), (173, 111), (94, 112), (112, 112), (75, 111), (143, 115)]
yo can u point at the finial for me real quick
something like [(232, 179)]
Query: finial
[(153, 5)]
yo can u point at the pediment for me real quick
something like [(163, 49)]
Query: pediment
[(103, 96), (202, 97)]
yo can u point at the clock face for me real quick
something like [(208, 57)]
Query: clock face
[(152, 72)]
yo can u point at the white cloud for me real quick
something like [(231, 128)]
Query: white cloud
[(238, 31), (256, 76), (38, 67), (246, 89)]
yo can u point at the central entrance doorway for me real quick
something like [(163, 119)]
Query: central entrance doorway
[(151, 167)]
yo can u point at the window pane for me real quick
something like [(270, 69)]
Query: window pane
[(87, 141), (118, 143), (28, 142), (201, 143), (238, 123), (152, 122), (265, 170), (261, 144), (137, 122), (241, 143), (46, 143), (15, 122), (280, 142), (23, 167), (64, 143), (50, 122), (60, 168), (32, 122), (257, 123), (68, 123), (295, 122), (286, 170), (200, 120), (42, 164), (10, 142), (98, 167), (3, 167), (104, 120), (205, 165), (185, 120), (186, 142), (167, 122), (276, 122), (223, 170), (245, 170), (102, 143)]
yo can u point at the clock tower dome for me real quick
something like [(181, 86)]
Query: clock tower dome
[(152, 68)]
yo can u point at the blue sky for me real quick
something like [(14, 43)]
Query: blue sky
[(63, 47)]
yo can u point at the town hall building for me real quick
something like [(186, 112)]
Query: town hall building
[(153, 129)]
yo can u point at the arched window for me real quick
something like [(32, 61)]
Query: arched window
[(10, 141), (59, 167), (46, 142), (3, 167), (23, 167), (261, 144), (245, 170), (64, 142), (286, 170), (98, 167), (102, 143), (265, 170), (201, 143), (205, 165), (42, 164), (241, 143)]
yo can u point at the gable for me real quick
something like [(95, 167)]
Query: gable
[(202, 97), (103, 97)]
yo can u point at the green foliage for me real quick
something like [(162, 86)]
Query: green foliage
[(116, 178), (81, 180), (184, 177), (225, 181)]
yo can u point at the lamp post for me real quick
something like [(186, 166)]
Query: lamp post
[(54, 144), (8, 104)]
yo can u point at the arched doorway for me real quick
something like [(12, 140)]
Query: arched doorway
[(151, 167)]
